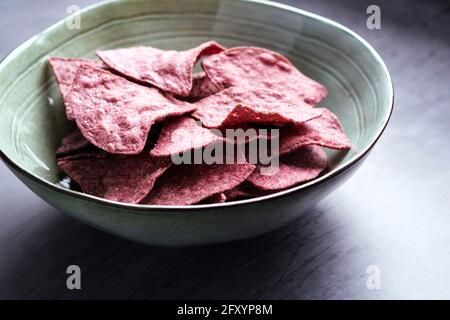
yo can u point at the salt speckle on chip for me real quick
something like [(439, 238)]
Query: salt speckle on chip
[(115, 114), (115, 177), (64, 70), (296, 167), (236, 105), (262, 68), (168, 70), (182, 134)]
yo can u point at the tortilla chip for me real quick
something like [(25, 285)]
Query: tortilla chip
[(74, 141), (117, 177), (183, 134), (115, 114), (187, 184), (297, 167), (64, 70), (169, 70), (325, 131), (262, 68), (235, 105)]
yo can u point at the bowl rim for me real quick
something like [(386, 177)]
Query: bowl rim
[(155, 209)]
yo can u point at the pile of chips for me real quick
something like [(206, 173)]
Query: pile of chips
[(134, 107)]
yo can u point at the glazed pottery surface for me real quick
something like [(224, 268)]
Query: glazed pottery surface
[(32, 117)]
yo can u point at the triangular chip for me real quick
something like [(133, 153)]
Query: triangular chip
[(183, 134), (169, 70), (325, 131), (191, 183), (115, 177), (64, 70), (296, 167), (262, 68), (115, 114), (236, 105)]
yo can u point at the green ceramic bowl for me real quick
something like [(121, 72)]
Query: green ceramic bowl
[(32, 119)]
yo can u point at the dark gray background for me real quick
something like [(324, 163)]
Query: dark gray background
[(394, 213)]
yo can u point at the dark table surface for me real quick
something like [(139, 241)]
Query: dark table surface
[(394, 213)]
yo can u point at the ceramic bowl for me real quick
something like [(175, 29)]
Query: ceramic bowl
[(32, 119)]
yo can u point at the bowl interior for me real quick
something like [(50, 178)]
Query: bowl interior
[(32, 120)]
